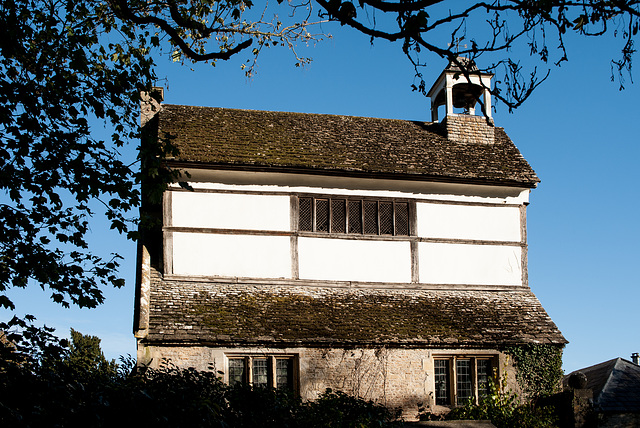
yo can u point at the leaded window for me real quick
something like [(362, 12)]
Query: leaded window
[(354, 216), (464, 387), (462, 379), (484, 375), (442, 377), (236, 371), (267, 371)]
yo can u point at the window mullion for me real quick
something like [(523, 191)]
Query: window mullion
[(271, 372), (454, 381), (330, 219), (313, 214), (474, 379), (393, 218), (346, 215)]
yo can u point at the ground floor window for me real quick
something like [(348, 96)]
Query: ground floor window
[(273, 371), (460, 379)]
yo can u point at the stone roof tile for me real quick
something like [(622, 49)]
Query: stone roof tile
[(223, 313), (319, 143)]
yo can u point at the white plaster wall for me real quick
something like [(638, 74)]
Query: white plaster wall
[(231, 211), (442, 263), (490, 223), (352, 260), (244, 181), (231, 255)]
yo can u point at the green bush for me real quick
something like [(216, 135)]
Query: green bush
[(504, 409)]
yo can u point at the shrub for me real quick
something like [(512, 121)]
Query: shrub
[(502, 407)]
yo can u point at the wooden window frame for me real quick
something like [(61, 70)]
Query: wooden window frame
[(348, 200), (452, 386), (248, 362)]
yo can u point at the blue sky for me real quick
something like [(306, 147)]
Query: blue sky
[(577, 130)]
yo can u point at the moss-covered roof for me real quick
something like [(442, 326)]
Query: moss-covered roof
[(227, 314), (331, 144)]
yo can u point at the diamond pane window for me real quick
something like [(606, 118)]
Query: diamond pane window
[(355, 217), (338, 216), (305, 221), (386, 218), (401, 219), (322, 215), (371, 217)]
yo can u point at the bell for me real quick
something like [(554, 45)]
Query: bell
[(466, 95)]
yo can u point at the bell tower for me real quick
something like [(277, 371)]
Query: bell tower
[(458, 89)]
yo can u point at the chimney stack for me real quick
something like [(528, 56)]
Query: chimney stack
[(150, 104), (634, 358)]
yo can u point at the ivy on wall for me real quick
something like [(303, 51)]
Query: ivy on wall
[(539, 368)]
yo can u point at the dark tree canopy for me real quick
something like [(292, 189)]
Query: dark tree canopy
[(70, 67), (496, 34)]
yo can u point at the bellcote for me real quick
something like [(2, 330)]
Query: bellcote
[(456, 88)]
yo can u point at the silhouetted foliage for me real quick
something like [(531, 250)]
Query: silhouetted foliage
[(79, 387), (71, 68)]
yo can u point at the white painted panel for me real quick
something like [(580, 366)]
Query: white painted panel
[(490, 223), (373, 187), (231, 211), (351, 260), (470, 264), (231, 255)]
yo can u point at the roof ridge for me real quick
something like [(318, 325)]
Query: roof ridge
[(334, 144), (298, 113)]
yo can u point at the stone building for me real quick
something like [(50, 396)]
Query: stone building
[(384, 258), (614, 389)]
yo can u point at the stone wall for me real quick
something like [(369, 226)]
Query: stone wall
[(390, 376), (463, 128)]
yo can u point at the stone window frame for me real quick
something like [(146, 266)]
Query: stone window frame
[(453, 382), (330, 227), (250, 375)]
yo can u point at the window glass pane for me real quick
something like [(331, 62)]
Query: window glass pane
[(484, 374), (322, 215), (402, 219), (355, 216), (464, 387), (370, 217), (386, 218), (342, 215), (442, 382), (305, 214), (260, 372), (338, 216), (236, 371), (284, 373)]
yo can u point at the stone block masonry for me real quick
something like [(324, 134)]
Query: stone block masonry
[(468, 129), (396, 378)]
